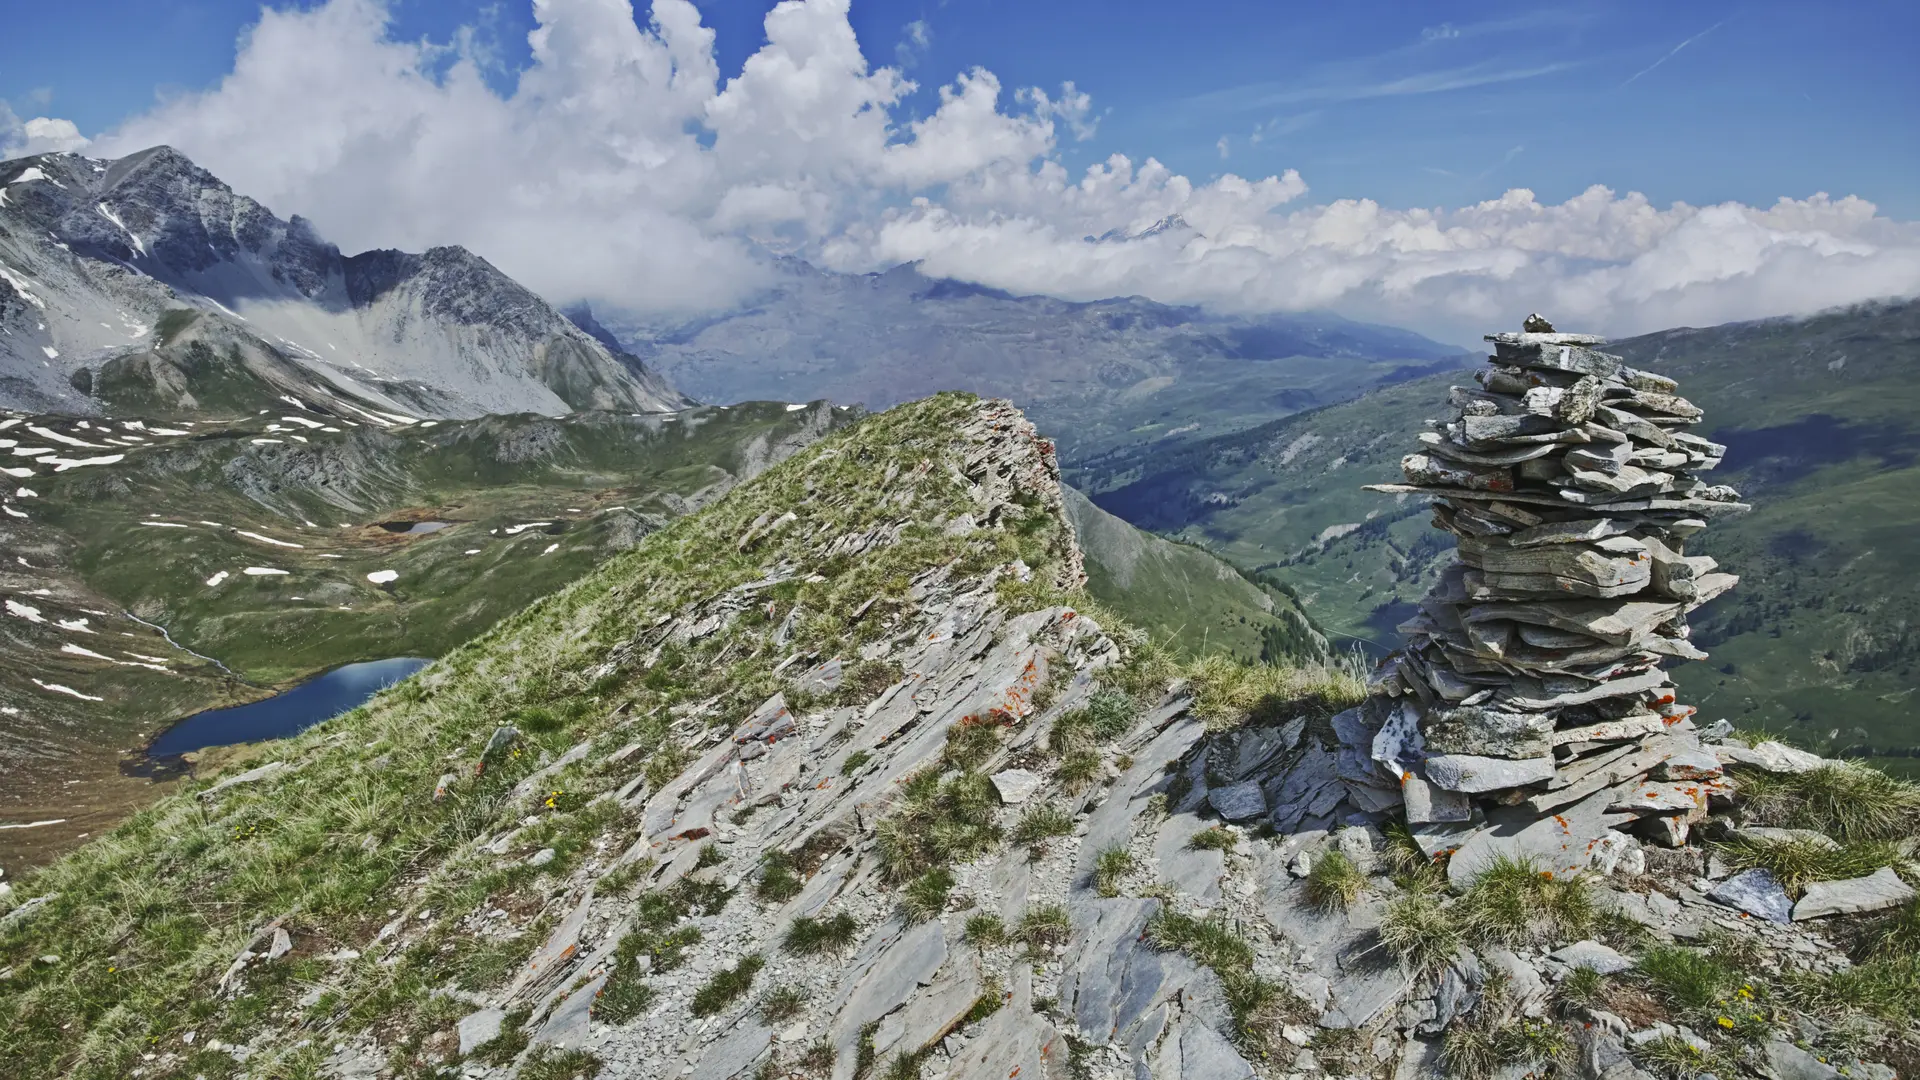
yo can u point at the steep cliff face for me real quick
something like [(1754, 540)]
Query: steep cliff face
[(107, 253), (842, 777)]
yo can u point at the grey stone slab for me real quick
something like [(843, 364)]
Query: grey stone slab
[(1592, 954), (1309, 789), (1488, 731), (1427, 804), (1198, 1052), (1774, 757), (934, 1011), (1370, 982), (1196, 873), (1473, 774), (1112, 822), (1877, 891), (1756, 892), (1786, 1061), (479, 1027), (1561, 843), (1014, 786), (1013, 1043), (888, 982), (1111, 976), (1243, 801), (567, 1025), (734, 1053)]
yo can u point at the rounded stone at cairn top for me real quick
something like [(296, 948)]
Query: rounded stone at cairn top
[(1536, 325)]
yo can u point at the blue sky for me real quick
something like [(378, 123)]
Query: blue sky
[(1627, 166), (1412, 104)]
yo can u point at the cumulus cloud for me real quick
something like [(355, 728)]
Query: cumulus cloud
[(40, 135), (622, 168)]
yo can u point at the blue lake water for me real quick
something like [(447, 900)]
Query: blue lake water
[(288, 712)]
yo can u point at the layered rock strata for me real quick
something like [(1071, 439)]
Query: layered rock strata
[(1529, 712)]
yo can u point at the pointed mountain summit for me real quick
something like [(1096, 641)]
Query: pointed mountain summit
[(107, 266)]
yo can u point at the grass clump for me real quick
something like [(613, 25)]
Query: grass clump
[(1217, 838), (1043, 926), (1421, 932), (1677, 1059), (546, 1063), (1850, 802), (506, 1046), (1334, 882), (1078, 769), (782, 1003), (985, 930), (779, 882), (1798, 861), (992, 996), (810, 936), (1513, 902), (940, 822), (726, 985), (970, 745), (1105, 717), (1229, 693), (925, 897), (1041, 824), (1688, 979), (1108, 868), (854, 761), (1583, 988)]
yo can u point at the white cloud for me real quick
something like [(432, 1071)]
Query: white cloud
[(623, 169), (40, 135)]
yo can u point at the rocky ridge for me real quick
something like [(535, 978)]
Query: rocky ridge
[(840, 777)]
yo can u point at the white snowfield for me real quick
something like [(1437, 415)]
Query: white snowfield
[(381, 577), (268, 539), (216, 579), (262, 571)]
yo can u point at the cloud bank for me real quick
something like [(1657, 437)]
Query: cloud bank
[(621, 168)]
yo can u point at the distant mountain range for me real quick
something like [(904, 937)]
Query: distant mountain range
[(1093, 375), (147, 285)]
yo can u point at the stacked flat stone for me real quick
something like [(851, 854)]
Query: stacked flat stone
[(1532, 676)]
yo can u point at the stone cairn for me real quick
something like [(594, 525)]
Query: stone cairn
[(1528, 714)]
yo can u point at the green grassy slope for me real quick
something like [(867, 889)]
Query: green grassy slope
[(531, 503), (1190, 601), (1823, 418)]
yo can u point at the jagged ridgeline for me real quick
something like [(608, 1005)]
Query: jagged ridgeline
[(745, 794)]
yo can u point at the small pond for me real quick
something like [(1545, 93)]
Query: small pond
[(288, 712), (414, 528)]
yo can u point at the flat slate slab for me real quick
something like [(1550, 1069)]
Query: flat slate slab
[(1877, 891), (1756, 892)]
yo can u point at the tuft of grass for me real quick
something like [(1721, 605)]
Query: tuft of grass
[(1229, 693), (1513, 902), (778, 882), (1217, 838), (546, 1063), (986, 930), (1687, 979), (1406, 863), (1469, 1052), (1583, 988), (970, 745), (1421, 932), (1848, 801), (1259, 1007), (993, 995), (925, 897), (1041, 824), (854, 761), (782, 1003), (1798, 862), (1077, 769), (811, 936), (1676, 1059), (817, 1058), (624, 996), (940, 822), (709, 856), (1333, 882), (1108, 868), (1043, 925), (1208, 941), (1105, 717), (726, 985)]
